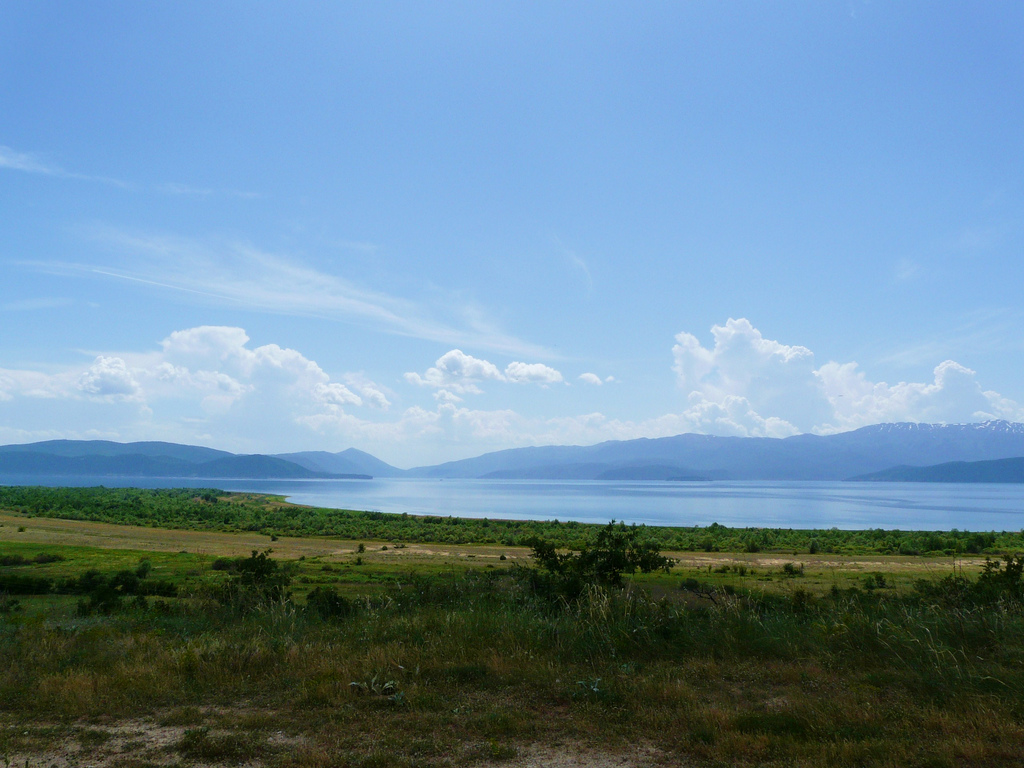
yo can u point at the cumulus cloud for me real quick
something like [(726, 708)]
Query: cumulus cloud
[(746, 384), (954, 395), (208, 375), (455, 372), (372, 393), (460, 365), (532, 373), (212, 385), (206, 344), (109, 377)]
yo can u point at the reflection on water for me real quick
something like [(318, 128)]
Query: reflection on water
[(920, 506)]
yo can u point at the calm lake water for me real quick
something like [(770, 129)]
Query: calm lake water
[(911, 506)]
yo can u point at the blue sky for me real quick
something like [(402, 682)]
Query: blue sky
[(432, 230)]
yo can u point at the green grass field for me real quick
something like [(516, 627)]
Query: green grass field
[(433, 654)]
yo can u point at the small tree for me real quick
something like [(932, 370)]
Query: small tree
[(257, 580), (617, 550)]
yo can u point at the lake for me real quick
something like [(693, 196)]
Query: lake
[(909, 506)]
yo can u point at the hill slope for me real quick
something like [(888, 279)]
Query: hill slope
[(993, 471), (347, 461), (107, 459), (802, 457)]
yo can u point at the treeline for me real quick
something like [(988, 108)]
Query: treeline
[(214, 510)]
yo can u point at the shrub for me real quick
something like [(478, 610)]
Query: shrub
[(617, 550), (997, 581), (41, 559), (328, 604), (875, 581), (1002, 580), (257, 580)]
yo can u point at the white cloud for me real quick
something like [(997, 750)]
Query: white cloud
[(373, 394), (458, 364), (954, 395), (444, 396), (335, 394), (212, 385), (209, 378), (109, 377), (206, 344), (759, 386), (532, 373), (746, 384), (457, 372)]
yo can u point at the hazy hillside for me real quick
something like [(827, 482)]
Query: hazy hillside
[(347, 461), (149, 459), (189, 453), (802, 457), (681, 457), (993, 471)]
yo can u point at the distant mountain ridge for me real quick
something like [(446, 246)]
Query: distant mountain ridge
[(347, 461), (801, 457), (686, 457), (104, 458), (993, 471)]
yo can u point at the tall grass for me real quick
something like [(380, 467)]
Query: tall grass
[(838, 679)]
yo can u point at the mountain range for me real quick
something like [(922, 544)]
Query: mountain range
[(994, 471), (103, 458), (801, 457), (878, 452)]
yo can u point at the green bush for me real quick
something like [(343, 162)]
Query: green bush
[(256, 580), (617, 550), (328, 604)]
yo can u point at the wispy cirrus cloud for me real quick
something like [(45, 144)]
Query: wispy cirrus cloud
[(31, 305), (28, 162), (22, 161), (186, 190), (258, 280), (984, 331)]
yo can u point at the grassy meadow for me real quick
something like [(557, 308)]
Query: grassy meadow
[(151, 645)]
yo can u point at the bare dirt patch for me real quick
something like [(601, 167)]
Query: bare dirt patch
[(579, 756), (139, 742)]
